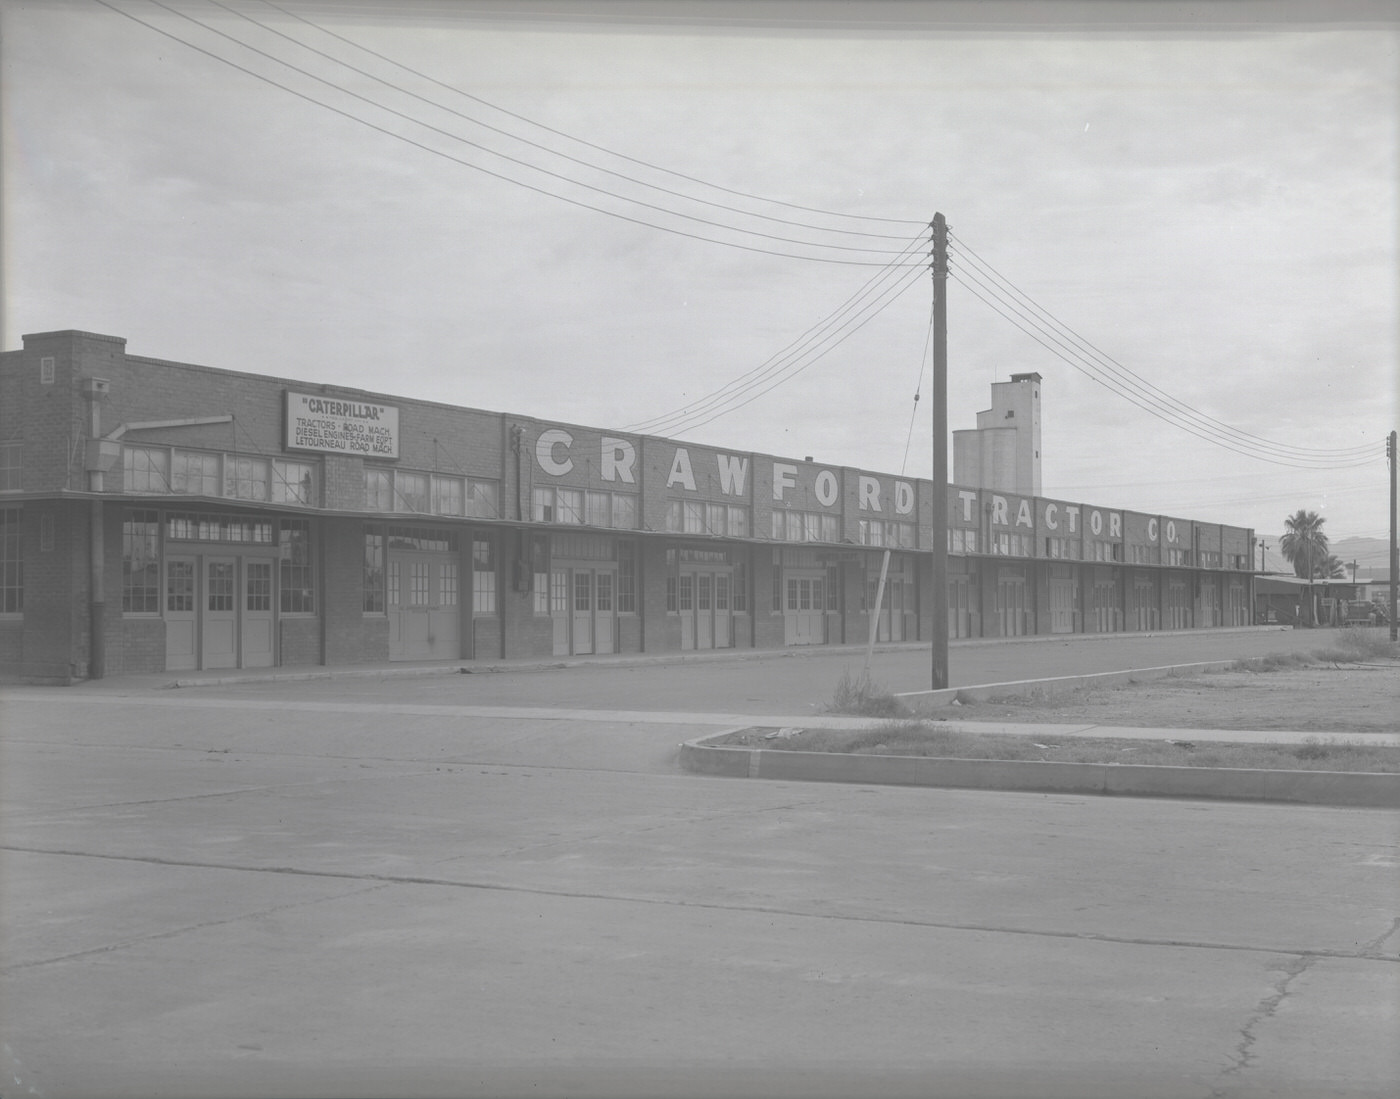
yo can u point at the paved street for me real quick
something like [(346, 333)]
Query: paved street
[(349, 887)]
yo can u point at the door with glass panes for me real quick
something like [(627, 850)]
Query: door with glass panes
[(424, 605), (583, 604), (804, 606), (704, 600)]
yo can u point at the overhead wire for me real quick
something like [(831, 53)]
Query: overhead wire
[(1129, 377), (996, 298), (869, 299), (560, 134), (976, 276), (820, 247)]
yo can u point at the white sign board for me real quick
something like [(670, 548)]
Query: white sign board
[(339, 426)]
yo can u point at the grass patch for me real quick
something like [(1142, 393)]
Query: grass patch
[(914, 738), (861, 696), (1356, 644)]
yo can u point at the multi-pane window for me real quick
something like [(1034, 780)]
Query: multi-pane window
[(297, 578), (1064, 549), (483, 576), (1178, 556), (373, 580), (141, 563), (740, 598), (892, 533), (293, 482), (1104, 551), (626, 577), (195, 473), (804, 526), (577, 507), (11, 563), (1006, 544), (697, 517), (11, 459), (245, 478), (258, 593), (179, 587), (146, 469), (447, 584), (410, 491), (962, 540), (448, 496), (379, 489), (539, 571), (183, 526), (483, 499)]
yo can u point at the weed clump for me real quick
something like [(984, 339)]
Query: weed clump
[(863, 697)]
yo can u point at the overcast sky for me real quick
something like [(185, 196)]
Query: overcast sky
[(1210, 208)]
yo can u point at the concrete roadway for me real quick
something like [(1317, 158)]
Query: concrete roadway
[(348, 888)]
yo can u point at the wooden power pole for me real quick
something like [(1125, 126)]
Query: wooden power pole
[(940, 453), (1393, 453)]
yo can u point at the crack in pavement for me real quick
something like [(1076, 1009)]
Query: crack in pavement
[(770, 910), (1244, 1057)]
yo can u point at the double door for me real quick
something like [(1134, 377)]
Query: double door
[(425, 614), (804, 607), (583, 605), (218, 612), (704, 600)]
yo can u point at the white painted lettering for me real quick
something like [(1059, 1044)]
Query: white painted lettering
[(868, 493), (827, 489), (619, 456), (1152, 529), (544, 451), (733, 472), (999, 510), (968, 499), (784, 478), (1023, 515), (1051, 523), (903, 498), (1115, 525), (1171, 531), (680, 470), (1072, 510), (1095, 522)]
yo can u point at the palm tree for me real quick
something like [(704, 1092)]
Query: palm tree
[(1303, 544), (1332, 568)]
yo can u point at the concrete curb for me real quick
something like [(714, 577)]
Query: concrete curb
[(1044, 688), (1337, 788)]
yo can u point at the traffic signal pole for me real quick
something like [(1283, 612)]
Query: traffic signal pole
[(940, 454)]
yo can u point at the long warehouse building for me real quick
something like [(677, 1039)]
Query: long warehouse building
[(162, 516)]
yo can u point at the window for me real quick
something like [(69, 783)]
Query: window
[(805, 526), (194, 473), (293, 482), (539, 571), (484, 500), (447, 584), (258, 596), (294, 548), (483, 576), (568, 505), (962, 540), (410, 491), (373, 577), (448, 496), (145, 469), (379, 492), (245, 478), (626, 577), (141, 563), (11, 563), (740, 598), (179, 587), (624, 511), (186, 526), (598, 509), (10, 465)]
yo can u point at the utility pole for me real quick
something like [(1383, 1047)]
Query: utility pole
[(1263, 547), (940, 454), (1393, 453)]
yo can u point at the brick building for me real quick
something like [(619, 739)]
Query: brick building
[(164, 516)]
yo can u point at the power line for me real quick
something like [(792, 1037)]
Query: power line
[(1130, 377), (1200, 427)]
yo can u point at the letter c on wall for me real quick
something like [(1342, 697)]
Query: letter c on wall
[(544, 451)]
